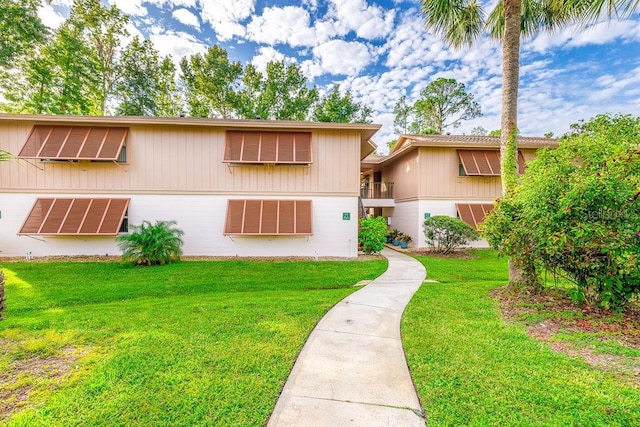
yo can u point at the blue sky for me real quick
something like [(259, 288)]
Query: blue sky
[(380, 50)]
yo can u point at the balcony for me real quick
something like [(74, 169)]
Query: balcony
[(377, 194)]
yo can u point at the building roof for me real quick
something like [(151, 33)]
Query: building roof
[(366, 130), (407, 143)]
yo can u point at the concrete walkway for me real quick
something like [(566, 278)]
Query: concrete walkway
[(352, 371)]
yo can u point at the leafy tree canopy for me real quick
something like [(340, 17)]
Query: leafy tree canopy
[(443, 104), (577, 211), (20, 29), (337, 108)]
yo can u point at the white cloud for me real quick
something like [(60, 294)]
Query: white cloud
[(266, 55), (411, 45), (49, 16), (289, 25), (368, 22), (311, 4), (130, 7), (185, 17), (598, 34), (63, 3), (225, 16), (338, 57), (177, 44), (610, 87), (172, 3)]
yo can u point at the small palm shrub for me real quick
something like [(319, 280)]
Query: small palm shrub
[(445, 234), (372, 234), (152, 244)]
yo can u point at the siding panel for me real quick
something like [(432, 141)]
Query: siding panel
[(173, 159)]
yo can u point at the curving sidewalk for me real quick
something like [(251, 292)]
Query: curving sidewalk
[(352, 370)]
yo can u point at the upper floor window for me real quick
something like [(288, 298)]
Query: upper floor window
[(483, 163), (73, 143), (267, 147)]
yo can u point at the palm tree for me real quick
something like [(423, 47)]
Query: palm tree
[(152, 244), (460, 23)]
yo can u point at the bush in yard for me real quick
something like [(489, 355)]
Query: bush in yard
[(577, 211), (446, 234), (152, 244), (372, 234)]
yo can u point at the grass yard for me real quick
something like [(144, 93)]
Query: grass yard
[(191, 343), (471, 367)]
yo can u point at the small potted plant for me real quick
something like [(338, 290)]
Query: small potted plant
[(405, 239), (395, 234)]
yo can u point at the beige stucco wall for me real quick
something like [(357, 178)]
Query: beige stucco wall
[(404, 172), (440, 177), (184, 160)]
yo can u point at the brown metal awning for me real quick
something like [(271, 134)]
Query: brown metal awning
[(485, 162), (267, 147), (472, 213), (269, 217), (74, 142), (73, 217)]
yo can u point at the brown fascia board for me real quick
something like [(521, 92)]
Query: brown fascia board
[(366, 130), (471, 141)]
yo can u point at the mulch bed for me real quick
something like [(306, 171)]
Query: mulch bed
[(562, 314)]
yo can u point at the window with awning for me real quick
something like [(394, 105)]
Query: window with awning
[(54, 142), (75, 217), (269, 217), (484, 162), (267, 147), (473, 213)]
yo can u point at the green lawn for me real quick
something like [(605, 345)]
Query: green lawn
[(192, 343), (472, 368)]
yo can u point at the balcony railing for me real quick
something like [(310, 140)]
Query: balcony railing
[(376, 190)]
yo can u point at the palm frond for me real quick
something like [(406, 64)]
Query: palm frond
[(536, 16), (152, 244), (587, 12), (458, 22), (5, 155)]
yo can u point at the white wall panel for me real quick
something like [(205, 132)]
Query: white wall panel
[(202, 218), (448, 208)]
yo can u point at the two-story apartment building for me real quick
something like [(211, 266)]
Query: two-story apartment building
[(236, 187), (427, 175)]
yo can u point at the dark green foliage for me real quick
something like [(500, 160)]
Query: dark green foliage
[(20, 28), (211, 83), (282, 93), (372, 234), (142, 83), (445, 234), (444, 103), (337, 108), (152, 244), (577, 211)]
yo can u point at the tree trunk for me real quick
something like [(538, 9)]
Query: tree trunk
[(509, 120)]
